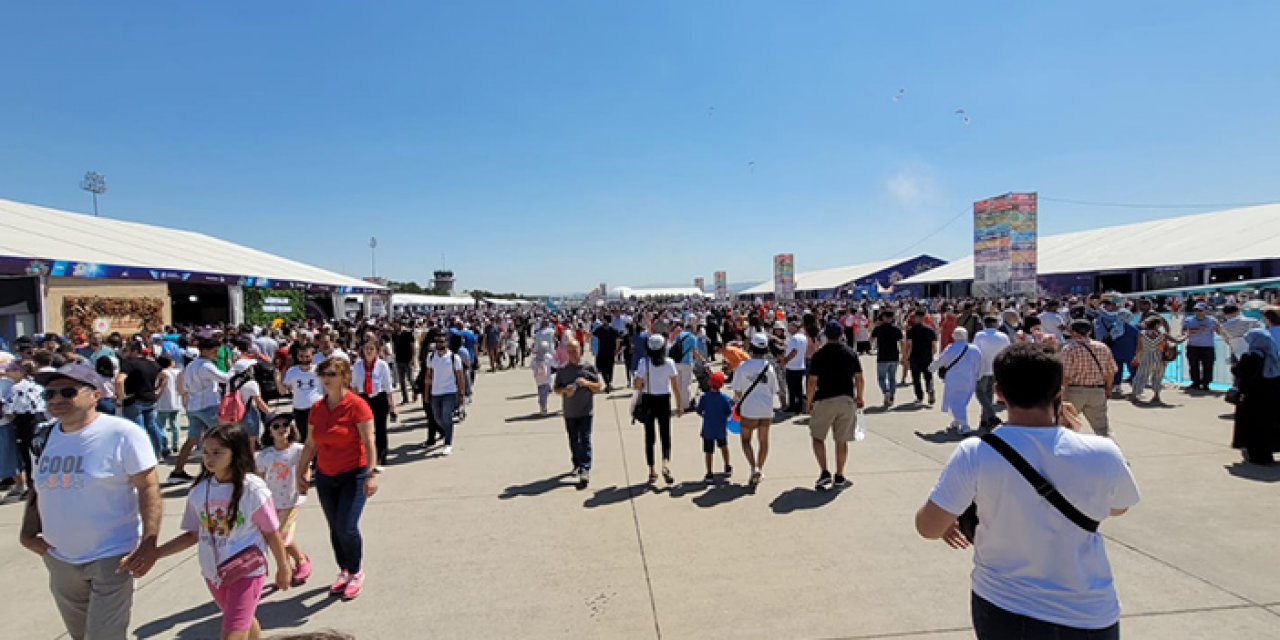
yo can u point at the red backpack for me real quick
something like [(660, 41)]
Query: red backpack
[(231, 406)]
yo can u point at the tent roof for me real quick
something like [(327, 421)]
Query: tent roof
[(659, 292), (1233, 235), (829, 278), (30, 231), (429, 300)]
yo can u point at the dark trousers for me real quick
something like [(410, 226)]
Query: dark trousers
[(24, 429), (604, 362), (1200, 361), (921, 370), (795, 390), (658, 425), (579, 430), (301, 419), (993, 623), (380, 404), (442, 407), (404, 376), (342, 499), (433, 427)]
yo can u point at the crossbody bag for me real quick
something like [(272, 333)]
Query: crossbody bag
[(942, 371), (242, 563), (737, 408), (968, 520)]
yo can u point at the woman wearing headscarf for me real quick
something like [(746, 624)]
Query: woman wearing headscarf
[(958, 365), (1257, 422)]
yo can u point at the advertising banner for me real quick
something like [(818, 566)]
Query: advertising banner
[(722, 285), (784, 276), (1004, 245), (700, 283)]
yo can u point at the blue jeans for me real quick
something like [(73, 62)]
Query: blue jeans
[(168, 423), (442, 407), (144, 413), (579, 440), (993, 623), (987, 399), (886, 376), (200, 421), (342, 500)]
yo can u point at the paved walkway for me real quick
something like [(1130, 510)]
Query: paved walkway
[(494, 542)]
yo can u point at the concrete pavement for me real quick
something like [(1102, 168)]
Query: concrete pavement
[(495, 542)]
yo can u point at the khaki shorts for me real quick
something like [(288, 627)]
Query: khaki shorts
[(288, 519), (753, 423), (835, 416)]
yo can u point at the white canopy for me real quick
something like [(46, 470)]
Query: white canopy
[(824, 279), (658, 292), (29, 231), (422, 300), (1233, 235)]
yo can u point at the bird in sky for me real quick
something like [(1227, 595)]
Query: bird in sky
[(751, 166), (964, 117), (898, 96)]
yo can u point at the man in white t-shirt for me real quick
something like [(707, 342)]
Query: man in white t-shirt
[(794, 363), (202, 380), (94, 512), (1051, 321), (445, 383), (325, 349), (1036, 572), (303, 383)]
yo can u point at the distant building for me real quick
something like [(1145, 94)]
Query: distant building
[(442, 282), (869, 279)]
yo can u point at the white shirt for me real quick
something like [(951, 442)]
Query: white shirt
[(169, 399), (381, 376), (337, 353), (759, 404), (201, 379), (990, 342), (88, 504), (207, 512), (305, 386), (799, 344), (657, 381), (1029, 558), (278, 468), (444, 368), (1051, 322)]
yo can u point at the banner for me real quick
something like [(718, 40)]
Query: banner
[(784, 277), (722, 285), (700, 283), (1004, 245)]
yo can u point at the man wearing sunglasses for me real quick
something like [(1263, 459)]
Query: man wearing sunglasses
[(94, 511)]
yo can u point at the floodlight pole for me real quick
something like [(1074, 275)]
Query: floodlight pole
[(96, 184)]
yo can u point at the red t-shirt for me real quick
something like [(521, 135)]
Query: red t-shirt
[(338, 445)]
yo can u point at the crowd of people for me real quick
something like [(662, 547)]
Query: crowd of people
[(280, 410)]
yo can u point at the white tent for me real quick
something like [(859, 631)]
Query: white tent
[(40, 233), (421, 301), (1233, 235), (825, 279), (659, 292)]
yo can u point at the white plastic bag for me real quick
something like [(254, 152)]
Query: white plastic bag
[(860, 427)]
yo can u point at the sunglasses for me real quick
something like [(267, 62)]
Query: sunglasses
[(280, 426), (328, 374), (65, 392)]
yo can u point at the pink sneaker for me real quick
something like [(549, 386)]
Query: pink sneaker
[(302, 571), (340, 584), (353, 586)]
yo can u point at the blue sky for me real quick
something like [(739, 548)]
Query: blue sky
[(549, 146)]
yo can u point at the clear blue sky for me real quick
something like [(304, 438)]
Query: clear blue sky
[(548, 146)]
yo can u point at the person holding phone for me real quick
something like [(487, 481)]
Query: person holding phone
[(578, 382)]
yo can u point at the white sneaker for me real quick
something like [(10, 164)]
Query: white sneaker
[(448, 449), (378, 469)]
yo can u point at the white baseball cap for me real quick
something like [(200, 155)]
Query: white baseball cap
[(656, 342), (760, 341)]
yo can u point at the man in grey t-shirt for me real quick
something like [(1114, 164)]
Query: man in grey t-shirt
[(576, 382)]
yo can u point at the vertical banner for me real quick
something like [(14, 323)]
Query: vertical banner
[(1004, 245), (784, 276), (700, 283), (722, 285)]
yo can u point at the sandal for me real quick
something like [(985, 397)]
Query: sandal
[(666, 475), (653, 478)]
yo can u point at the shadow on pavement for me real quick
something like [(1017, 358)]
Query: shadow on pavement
[(535, 488), (720, 494), (614, 495), (272, 614), (525, 396), (801, 498), (1260, 473), (941, 437), (685, 488), (408, 452), (911, 407), (532, 417)]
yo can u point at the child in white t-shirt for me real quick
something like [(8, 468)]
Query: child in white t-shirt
[(541, 365), (231, 516), (277, 463)]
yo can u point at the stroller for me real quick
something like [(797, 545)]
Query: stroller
[(702, 373)]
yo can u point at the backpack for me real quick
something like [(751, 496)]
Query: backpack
[(677, 350), (264, 373), (231, 406)]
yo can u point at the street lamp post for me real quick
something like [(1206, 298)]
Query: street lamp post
[(373, 255), (96, 184)]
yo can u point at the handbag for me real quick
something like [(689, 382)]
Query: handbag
[(242, 563), (639, 410), (968, 521), (1170, 352), (942, 371)]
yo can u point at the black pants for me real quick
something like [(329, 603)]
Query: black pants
[(24, 429), (380, 404), (659, 406), (795, 390), (993, 623), (1200, 361), (920, 370), (604, 362), (300, 420), (404, 377)]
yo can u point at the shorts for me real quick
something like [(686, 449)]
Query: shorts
[(753, 423), (709, 444), (200, 421), (238, 602), (288, 519), (833, 415)]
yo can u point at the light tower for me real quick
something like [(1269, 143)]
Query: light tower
[(96, 184)]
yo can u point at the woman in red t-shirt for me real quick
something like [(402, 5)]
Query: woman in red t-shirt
[(341, 442)]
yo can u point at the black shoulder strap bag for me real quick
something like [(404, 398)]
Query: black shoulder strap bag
[(969, 519)]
